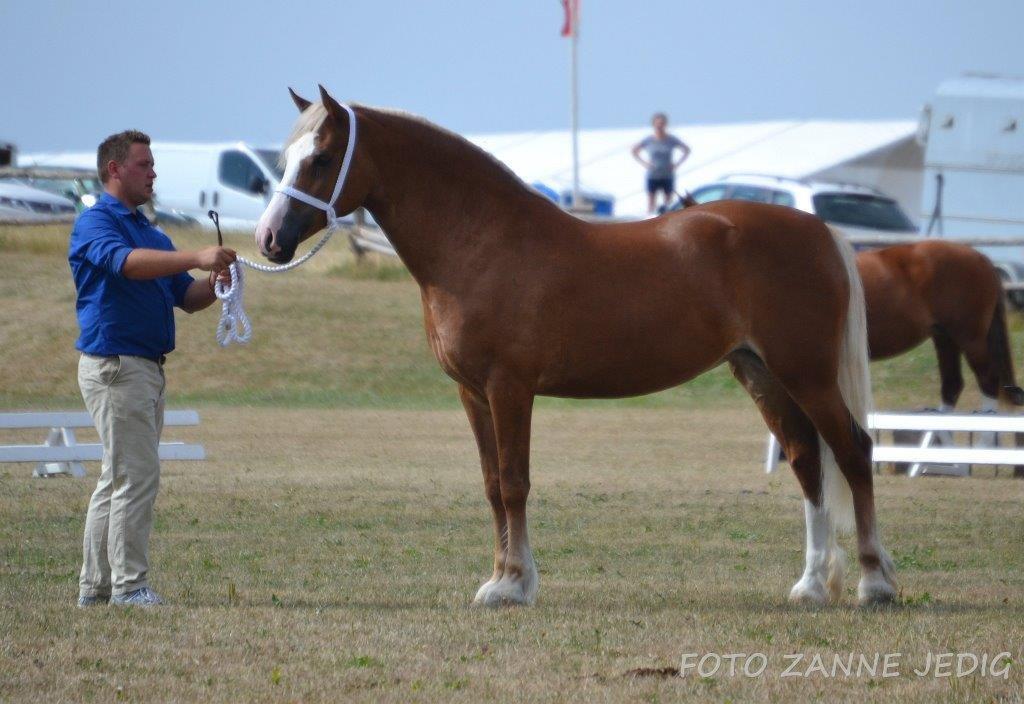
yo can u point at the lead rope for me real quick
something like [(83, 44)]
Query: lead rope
[(234, 325)]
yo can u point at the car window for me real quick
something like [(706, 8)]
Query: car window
[(239, 171), (759, 195), (861, 210), (783, 198), (68, 188), (709, 193), (270, 159)]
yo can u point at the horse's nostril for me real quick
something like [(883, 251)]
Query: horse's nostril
[(267, 241)]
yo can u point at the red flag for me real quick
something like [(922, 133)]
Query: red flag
[(568, 28)]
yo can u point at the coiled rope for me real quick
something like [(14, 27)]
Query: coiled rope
[(234, 325)]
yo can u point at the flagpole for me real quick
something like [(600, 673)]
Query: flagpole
[(575, 17)]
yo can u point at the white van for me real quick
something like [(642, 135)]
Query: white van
[(233, 178)]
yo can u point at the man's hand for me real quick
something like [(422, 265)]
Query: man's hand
[(214, 259), (223, 276), (201, 294)]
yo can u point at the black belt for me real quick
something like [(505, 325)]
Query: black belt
[(159, 359)]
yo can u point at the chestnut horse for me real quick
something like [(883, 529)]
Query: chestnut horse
[(521, 299), (951, 293)]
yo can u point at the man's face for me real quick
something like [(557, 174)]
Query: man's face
[(137, 175)]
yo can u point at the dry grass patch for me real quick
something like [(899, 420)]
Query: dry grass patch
[(331, 555)]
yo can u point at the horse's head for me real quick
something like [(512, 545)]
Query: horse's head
[(314, 157)]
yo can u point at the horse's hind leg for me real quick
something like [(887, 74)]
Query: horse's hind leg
[(852, 449), (979, 359), (479, 413), (948, 353), (822, 579)]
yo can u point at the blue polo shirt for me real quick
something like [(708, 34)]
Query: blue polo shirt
[(117, 315)]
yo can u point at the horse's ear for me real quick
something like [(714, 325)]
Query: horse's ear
[(334, 109), (300, 102)]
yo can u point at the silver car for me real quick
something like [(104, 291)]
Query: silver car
[(24, 203), (850, 206)]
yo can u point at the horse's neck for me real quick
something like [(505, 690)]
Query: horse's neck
[(443, 214)]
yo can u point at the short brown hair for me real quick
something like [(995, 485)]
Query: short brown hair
[(115, 148)]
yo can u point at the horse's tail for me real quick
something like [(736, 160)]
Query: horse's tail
[(855, 386), (1002, 359)]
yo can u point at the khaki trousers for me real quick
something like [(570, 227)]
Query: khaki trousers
[(125, 397)]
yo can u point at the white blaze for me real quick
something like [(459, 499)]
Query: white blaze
[(272, 217)]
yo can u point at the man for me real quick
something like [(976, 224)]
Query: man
[(661, 169), (128, 278)]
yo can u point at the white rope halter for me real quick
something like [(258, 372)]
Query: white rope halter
[(234, 325)]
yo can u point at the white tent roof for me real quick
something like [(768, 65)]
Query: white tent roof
[(797, 149)]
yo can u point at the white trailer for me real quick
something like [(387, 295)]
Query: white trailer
[(973, 133)]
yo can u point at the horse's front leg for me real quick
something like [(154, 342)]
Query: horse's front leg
[(479, 413), (511, 407)]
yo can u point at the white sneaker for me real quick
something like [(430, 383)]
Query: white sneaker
[(144, 596)]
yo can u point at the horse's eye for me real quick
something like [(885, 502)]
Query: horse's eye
[(318, 163)]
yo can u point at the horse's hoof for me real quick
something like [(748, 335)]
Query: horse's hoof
[(809, 592), (875, 593), (485, 588), (1015, 394), (879, 586), (505, 592)]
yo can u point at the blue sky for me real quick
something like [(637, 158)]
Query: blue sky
[(75, 72)]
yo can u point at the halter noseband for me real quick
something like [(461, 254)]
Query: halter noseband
[(328, 208)]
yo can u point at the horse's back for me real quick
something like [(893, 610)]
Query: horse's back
[(774, 253)]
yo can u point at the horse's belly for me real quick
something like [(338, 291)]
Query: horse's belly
[(622, 375), (892, 331)]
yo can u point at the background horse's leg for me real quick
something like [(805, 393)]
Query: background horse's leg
[(480, 421), (511, 404), (822, 579), (852, 449), (948, 353), (985, 372)]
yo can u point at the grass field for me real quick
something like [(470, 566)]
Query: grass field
[(329, 547)]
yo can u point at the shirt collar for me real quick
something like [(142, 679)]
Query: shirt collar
[(120, 208)]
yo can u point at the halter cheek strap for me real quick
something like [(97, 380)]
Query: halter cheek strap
[(328, 208)]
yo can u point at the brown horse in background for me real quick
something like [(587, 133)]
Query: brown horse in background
[(951, 293), (521, 299)]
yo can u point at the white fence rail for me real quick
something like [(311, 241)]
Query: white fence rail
[(61, 453), (936, 451)]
